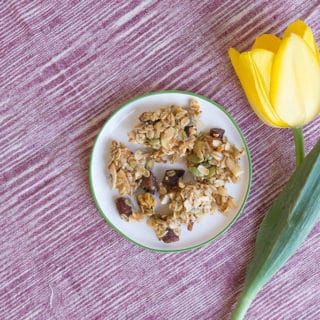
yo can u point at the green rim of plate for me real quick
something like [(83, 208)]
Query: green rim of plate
[(205, 242)]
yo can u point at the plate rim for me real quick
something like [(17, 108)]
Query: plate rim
[(104, 216)]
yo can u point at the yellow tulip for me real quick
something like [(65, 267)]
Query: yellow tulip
[(281, 77)]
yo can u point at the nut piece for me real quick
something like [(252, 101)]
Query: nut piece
[(124, 207), (170, 236), (171, 178), (190, 226), (149, 184)]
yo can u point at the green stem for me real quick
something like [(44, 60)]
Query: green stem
[(299, 143), (249, 293), (240, 310), (243, 304)]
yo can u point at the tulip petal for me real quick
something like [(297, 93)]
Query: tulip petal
[(263, 60), (268, 42), (234, 57), (295, 93), (253, 70), (303, 30)]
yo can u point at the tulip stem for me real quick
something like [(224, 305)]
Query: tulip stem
[(299, 143)]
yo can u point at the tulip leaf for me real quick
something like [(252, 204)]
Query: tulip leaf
[(285, 226)]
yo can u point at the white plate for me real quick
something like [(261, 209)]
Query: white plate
[(117, 127)]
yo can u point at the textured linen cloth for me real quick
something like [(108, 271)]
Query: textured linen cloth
[(65, 66)]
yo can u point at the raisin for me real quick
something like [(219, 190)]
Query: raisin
[(150, 184), (170, 236), (124, 207), (171, 178), (217, 133), (187, 130)]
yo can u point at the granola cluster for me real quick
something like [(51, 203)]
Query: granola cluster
[(214, 159), (127, 168), (172, 133), (169, 132)]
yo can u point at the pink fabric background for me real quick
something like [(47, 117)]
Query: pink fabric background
[(65, 66)]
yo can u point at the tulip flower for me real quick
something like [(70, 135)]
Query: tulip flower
[(281, 78)]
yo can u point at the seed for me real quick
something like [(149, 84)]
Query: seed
[(195, 172), (212, 171), (193, 158)]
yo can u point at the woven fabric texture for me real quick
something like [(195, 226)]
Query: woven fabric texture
[(65, 66)]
